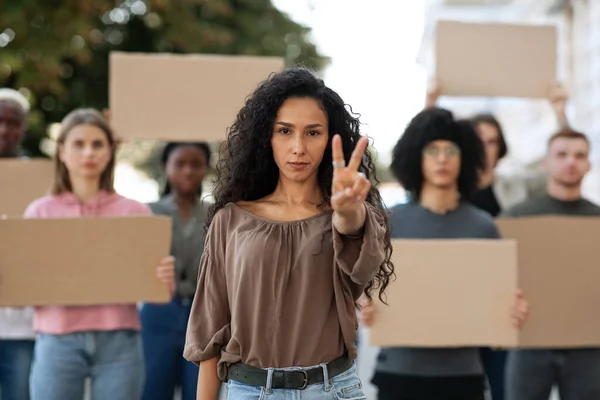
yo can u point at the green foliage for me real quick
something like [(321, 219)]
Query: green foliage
[(56, 51)]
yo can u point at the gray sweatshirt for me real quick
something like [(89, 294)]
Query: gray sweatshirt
[(411, 221)]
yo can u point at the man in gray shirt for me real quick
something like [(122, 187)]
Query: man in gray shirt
[(531, 373), (437, 161)]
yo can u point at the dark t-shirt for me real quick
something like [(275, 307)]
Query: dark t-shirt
[(485, 199), (548, 205)]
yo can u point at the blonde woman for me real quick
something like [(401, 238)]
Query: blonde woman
[(102, 342)]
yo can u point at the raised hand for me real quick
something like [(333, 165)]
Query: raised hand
[(558, 95), (350, 187)]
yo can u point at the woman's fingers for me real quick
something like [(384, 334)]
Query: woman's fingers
[(337, 153), (361, 187), (357, 154)]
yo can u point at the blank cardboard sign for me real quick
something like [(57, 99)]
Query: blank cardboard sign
[(449, 293), (177, 97), (475, 59), (82, 261), (22, 181), (559, 271)]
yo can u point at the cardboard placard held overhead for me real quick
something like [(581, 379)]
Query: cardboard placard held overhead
[(508, 60), (22, 181), (175, 97), (449, 293), (82, 261), (559, 271)]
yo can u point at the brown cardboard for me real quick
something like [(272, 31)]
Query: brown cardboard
[(22, 181), (82, 261), (559, 271), (475, 59), (449, 293), (182, 97)]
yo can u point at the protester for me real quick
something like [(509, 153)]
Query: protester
[(296, 234), (103, 341), (16, 324), (164, 326), (532, 373), (438, 161), (14, 108), (495, 194)]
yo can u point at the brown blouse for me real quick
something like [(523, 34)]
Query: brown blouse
[(280, 294)]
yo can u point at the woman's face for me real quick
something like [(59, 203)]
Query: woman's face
[(491, 142), (441, 162), (85, 152), (300, 137), (186, 168)]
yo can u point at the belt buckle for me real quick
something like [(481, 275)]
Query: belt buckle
[(303, 372)]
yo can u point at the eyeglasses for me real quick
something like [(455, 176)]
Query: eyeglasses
[(433, 151)]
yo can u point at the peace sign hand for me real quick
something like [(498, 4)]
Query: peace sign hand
[(349, 188)]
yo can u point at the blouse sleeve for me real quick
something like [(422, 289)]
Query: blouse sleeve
[(361, 257), (209, 326)]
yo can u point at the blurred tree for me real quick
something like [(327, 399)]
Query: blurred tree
[(56, 51)]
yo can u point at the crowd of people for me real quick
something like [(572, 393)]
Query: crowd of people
[(266, 280)]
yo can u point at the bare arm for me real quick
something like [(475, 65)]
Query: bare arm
[(209, 383), (558, 97), (351, 223), (433, 93)]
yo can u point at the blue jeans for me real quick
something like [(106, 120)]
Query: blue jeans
[(113, 360), (163, 334), (531, 374), (347, 385), (15, 365)]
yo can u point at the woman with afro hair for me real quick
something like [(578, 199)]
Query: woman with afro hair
[(437, 160), (296, 234)]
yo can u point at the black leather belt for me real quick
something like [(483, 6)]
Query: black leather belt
[(299, 379)]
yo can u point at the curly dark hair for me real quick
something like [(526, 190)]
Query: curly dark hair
[(170, 148), (247, 170), (437, 124)]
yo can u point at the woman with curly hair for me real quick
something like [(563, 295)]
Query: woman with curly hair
[(296, 235), (437, 160)]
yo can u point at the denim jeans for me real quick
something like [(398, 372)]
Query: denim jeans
[(531, 374), (347, 385), (15, 365), (113, 360), (163, 334)]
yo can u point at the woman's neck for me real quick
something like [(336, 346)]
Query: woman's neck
[(295, 193), (85, 189), (184, 199), (486, 178), (185, 204)]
